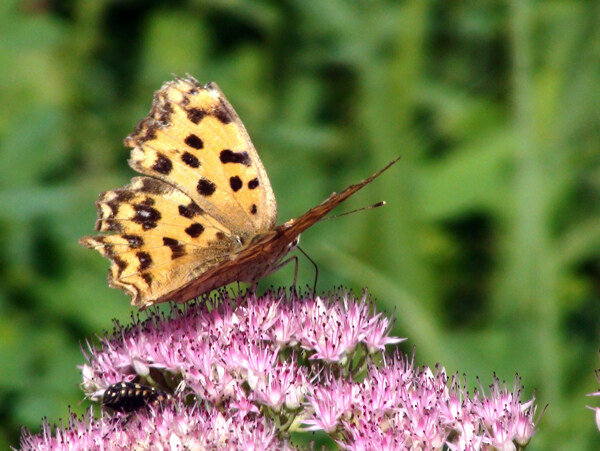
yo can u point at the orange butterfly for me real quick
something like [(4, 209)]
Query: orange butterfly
[(206, 216)]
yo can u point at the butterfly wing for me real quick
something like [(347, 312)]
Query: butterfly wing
[(207, 196), (162, 239), (194, 140)]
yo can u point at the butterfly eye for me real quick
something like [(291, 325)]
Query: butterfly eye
[(294, 244)]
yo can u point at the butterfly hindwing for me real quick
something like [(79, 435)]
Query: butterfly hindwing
[(161, 239)]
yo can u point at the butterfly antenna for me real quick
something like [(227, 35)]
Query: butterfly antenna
[(369, 207), (316, 269)]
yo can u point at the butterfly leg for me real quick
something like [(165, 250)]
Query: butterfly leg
[(316, 269), (252, 287)]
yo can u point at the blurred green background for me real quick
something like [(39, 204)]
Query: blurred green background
[(486, 254)]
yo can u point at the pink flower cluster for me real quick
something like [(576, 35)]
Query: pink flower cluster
[(174, 427), (399, 407), (252, 370), (228, 347)]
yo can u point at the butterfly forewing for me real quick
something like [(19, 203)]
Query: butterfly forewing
[(194, 140)]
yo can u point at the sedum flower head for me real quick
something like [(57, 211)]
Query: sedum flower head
[(171, 427), (596, 409), (246, 372)]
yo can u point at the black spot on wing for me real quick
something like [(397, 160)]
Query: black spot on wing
[(253, 209), (206, 187), (195, 115), (145, 260), (122, 195), (194, 141), (149, 135), (134, 241), (177, 249), (253, 184), (146, 216), (222, 113), (189, 211), (235, 183), (191, 160), (162, 165), (147, 277), (148, 201), (195, 230), (151, 185), (121, 265), (229, 156)]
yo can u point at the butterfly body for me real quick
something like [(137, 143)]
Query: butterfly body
[(203, 215)]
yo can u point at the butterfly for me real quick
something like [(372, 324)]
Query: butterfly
[(204, 213), (126, 397)]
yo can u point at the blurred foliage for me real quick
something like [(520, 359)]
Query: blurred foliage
[(486, 254)]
